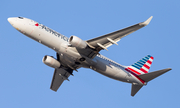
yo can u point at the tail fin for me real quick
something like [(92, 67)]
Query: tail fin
[(147, 77), (142, 66)]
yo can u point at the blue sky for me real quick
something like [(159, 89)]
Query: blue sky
[(25, 80)]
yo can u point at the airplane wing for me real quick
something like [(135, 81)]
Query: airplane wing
[(59, 76), (103, 42)]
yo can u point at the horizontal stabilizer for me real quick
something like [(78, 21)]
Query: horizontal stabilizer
[(135, 89), (150, 76)]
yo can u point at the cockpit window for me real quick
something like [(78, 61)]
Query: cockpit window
[(20, 17)]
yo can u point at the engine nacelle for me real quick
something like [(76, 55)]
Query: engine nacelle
[(77, 42), (50, 61)]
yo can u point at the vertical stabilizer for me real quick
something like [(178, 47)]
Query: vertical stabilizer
[(142, 66)]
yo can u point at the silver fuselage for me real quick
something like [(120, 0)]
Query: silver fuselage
[(68, 54)]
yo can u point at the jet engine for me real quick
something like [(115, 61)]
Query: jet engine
[(77, 42), (50, 61)]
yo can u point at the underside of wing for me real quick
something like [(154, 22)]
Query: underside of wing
[(103, 42), (59, 76)]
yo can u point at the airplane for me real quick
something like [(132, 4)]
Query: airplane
[(73, 53)]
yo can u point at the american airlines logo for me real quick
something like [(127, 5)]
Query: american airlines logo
[(52, 32)]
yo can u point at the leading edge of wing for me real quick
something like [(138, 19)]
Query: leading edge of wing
[(103, 42)]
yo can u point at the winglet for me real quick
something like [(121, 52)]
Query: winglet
[(147, 21)]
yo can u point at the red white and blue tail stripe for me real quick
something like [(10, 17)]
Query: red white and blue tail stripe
[(142, 66)]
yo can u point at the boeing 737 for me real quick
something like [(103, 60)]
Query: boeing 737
[(73, 53)]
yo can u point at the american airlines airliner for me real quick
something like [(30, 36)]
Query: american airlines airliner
[(73, 53)]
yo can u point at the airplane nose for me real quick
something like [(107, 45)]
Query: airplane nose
[(10, 20)]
